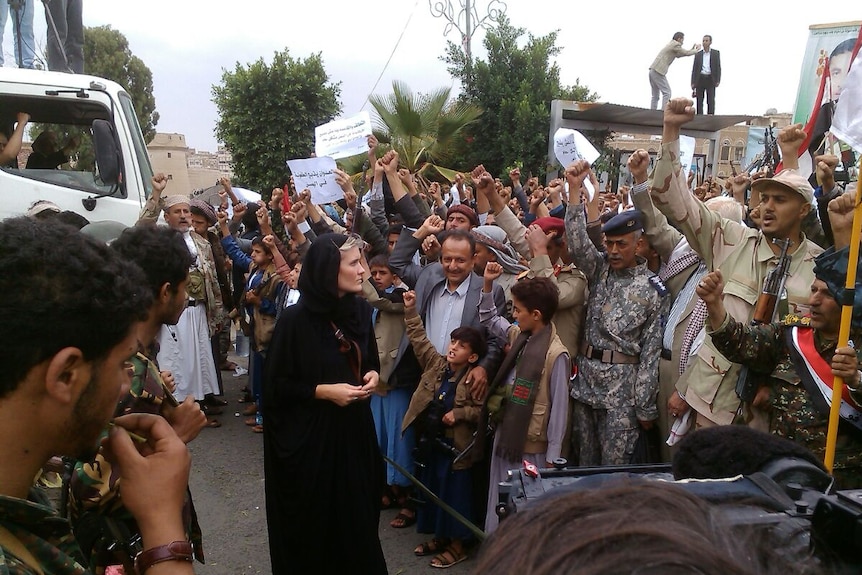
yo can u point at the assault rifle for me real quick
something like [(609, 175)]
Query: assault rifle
[(765, 312), (769, 157)]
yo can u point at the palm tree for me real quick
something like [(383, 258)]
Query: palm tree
[(422, 128)]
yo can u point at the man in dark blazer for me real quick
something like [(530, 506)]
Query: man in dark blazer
[(440, 288), (706, 75)]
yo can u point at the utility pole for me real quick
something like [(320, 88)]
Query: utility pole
[(468, 16)]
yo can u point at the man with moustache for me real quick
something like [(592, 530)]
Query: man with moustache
[(185, 349), (617, 384), (70, 307), (801, 356)]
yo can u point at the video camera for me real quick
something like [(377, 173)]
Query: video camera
[(789, 497)]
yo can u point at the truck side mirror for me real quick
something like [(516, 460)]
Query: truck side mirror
[(107, 152)]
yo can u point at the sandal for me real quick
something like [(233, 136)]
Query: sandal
[(387, 500), (251, 421), (213, 423), (431, 547), (212, 401), (450, 556), (403, 519)]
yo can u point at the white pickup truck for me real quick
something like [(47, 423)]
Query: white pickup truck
[(108, 178)]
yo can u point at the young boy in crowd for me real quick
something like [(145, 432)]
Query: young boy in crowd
[(383, 290), (529, 397), (446, 416), (262, 288)]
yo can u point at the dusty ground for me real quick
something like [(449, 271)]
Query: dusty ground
[(228, 487)]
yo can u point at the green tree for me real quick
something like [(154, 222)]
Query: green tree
[(514, 87), (107, 54), (268, 112), (423, 128)]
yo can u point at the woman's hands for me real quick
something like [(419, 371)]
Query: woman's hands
[(344, 394)]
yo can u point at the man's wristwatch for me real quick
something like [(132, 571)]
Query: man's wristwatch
[(175, 551)]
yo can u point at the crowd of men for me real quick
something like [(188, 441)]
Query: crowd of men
[(596, 322)]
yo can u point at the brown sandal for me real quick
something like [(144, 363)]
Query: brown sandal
[(431, 547), (403, 519), (450, 556)]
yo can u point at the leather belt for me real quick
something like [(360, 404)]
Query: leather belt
[(666, 354), (607, 355), (194, 302)]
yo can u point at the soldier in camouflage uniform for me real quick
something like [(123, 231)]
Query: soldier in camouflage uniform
[(778, 349), (97, 511), (67, 340), (617, 383)]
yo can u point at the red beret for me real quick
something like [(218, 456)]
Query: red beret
[(549, 225)]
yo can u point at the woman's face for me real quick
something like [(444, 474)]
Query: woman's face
[(350, 272)]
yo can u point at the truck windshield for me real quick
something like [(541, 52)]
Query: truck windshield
[(58, 147), (60, 154), (138, 142)]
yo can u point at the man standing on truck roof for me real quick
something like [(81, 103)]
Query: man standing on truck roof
[(66, 46), (185, 348), (23, 46)]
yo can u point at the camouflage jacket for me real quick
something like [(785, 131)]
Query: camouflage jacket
[(624, 313), (95, 484), (793, 414), (47, 536)]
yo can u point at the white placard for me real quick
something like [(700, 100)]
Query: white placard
[(686, 153), (571, 145), (343, 138), (318, 176)]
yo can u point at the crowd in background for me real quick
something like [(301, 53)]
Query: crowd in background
[(452, 331)]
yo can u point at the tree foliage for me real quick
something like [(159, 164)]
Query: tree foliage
[(107, 54), (514, 87), (268, 112), (423, 128)]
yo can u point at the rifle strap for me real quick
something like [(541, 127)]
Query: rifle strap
[(14, 545)]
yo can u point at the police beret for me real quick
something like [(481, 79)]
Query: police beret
[(831, 268), (624, 223)]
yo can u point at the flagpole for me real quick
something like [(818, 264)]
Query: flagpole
[(844, 331)]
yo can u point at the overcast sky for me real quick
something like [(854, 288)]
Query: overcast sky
[(608, 45)]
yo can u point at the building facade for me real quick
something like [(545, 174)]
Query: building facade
[(186, 168)]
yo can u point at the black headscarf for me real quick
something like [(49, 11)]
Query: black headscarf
[(318, 284)]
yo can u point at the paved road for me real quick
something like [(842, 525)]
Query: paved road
[(228, 486)]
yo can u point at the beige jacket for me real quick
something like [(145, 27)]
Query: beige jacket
[(668, 54), (744, 257)]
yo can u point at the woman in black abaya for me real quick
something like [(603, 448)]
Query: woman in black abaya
[(322, 464)]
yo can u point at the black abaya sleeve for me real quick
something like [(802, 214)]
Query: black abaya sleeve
[(281, 379)]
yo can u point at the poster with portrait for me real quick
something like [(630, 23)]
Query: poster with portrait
[(832, 44)]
